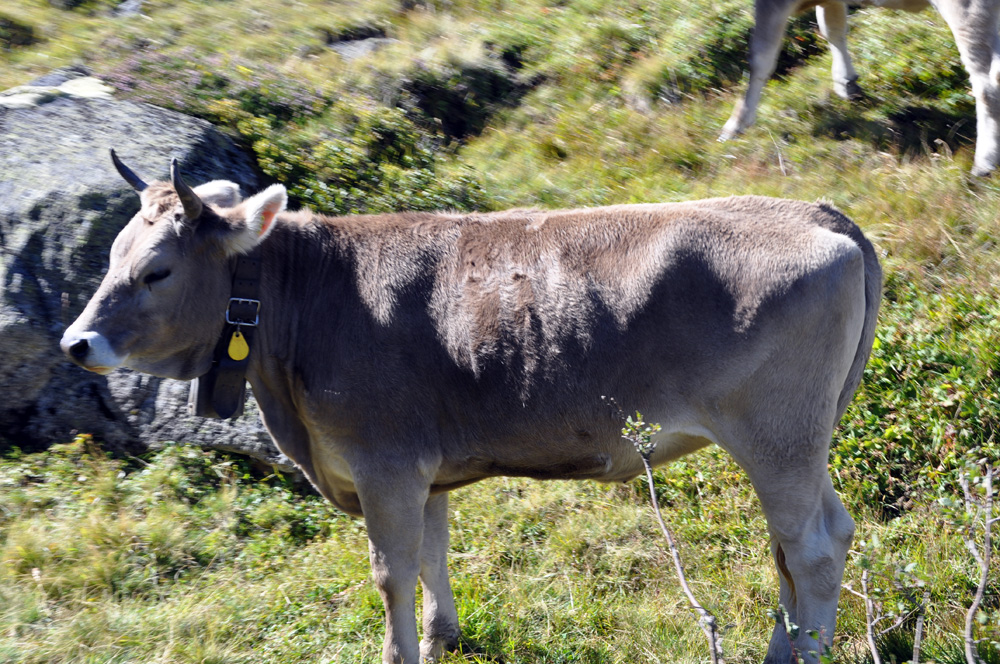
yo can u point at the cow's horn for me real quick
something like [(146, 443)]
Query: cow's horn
[(192, 204), (127, 173)]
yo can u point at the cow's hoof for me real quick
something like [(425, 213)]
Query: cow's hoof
[(982, 171), (848, 89), (728, 133), (433, 649)]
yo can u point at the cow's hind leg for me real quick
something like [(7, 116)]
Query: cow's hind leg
[(974, 25), (811, 533), (770, 18), (832, 19), (779, 650), (440, 618)]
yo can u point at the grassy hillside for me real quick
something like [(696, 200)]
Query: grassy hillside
[(185, 556)]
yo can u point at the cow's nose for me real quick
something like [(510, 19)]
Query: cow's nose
[(90, 350), (79, 349)]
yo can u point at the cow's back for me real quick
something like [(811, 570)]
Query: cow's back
[(523, 289)]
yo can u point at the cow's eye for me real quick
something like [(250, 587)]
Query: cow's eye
[(153, 277)]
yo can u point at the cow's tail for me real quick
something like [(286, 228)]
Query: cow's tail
[(873, 297)]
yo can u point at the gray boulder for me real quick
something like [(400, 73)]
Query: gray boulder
[(61, 205)]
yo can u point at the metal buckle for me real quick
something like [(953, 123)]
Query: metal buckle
[(241, 300)]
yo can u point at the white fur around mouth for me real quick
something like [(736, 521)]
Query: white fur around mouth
[(99, 357)]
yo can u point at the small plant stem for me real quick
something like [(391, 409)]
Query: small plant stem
[(705, 619), (640, 435), (869, 618), (918, 631), (983, 558), (781, 162)]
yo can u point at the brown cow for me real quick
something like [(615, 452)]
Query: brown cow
[(973, 24), (400, 356)]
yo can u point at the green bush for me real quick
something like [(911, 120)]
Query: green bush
[(931, 391), (349, 155), (14, 33)]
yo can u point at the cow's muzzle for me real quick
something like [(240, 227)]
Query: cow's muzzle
[(90, 350)]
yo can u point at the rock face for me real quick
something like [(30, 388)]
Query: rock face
[(61, 205)]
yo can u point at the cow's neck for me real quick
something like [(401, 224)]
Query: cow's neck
[(301, 294)]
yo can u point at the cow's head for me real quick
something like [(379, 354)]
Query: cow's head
[(161, 306)]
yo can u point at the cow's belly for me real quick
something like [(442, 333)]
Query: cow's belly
[(905, 5), (529, 447), (607, 459)]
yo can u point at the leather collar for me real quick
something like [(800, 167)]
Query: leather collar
[(221, 392)]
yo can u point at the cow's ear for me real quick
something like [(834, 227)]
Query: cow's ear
[(252, 220), (261, 209), (221, 193)]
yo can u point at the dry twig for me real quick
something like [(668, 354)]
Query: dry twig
[(639, 434), (983, 558)]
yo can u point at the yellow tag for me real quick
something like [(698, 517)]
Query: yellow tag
[(238, 348)]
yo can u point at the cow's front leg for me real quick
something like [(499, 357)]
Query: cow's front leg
[(440, 618), (393, 505), (832, 19), (770, 19)]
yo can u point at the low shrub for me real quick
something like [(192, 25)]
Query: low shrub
[(931, 391), (337, 156), (14, 33)]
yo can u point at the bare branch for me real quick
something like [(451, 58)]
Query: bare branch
[(640, 435), (851, 590), (705, 619), (970, 544), (982, 558), (895, 623), (918, 631), (869, 621)]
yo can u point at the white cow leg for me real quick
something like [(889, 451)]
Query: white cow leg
[(440, 618), (394, 516), (769, 30), (975, 31), (811, 533), (987, 126), (832, 18)]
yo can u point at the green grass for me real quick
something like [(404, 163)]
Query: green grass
[(484, 104), (184, 556)]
